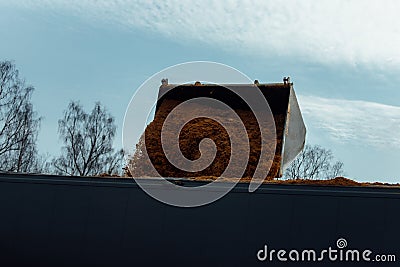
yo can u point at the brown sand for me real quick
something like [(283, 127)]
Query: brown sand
[(338, 181), (196, 130)]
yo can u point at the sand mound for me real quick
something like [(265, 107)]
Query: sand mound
[(198, 129)]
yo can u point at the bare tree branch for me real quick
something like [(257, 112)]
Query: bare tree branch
[(87, 142), (19, 123), (314, 162)]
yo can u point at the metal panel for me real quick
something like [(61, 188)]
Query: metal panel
[(72, 221), (295, 132)]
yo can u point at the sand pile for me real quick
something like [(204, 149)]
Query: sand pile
[(342, 181), (338, 181), (198, 129)]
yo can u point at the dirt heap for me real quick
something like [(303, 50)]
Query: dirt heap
[(338, 181), (198, 129), (342, 181)]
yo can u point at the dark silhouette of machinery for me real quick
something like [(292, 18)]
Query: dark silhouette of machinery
[(289, 128)]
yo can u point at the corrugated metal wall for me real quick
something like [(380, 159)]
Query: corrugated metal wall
[(62, 221)]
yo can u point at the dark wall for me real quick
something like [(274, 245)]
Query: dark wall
[(61, 221)]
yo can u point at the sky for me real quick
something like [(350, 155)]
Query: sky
[(342, 56)]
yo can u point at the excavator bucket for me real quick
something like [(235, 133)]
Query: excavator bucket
[(286, 127)]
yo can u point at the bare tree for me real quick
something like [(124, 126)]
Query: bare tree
[(314, 162), (43, 164), (19, 123), (337, 169), (87, 142)]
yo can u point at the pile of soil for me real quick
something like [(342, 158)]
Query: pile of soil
[(338, 181), (198, 129), (342, 181)]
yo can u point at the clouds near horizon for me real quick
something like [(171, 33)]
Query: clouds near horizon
[(349, 121)]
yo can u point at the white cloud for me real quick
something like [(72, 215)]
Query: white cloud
[(340, 31), (350, 121)]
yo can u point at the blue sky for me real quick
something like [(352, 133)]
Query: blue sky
[(343, 58)]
